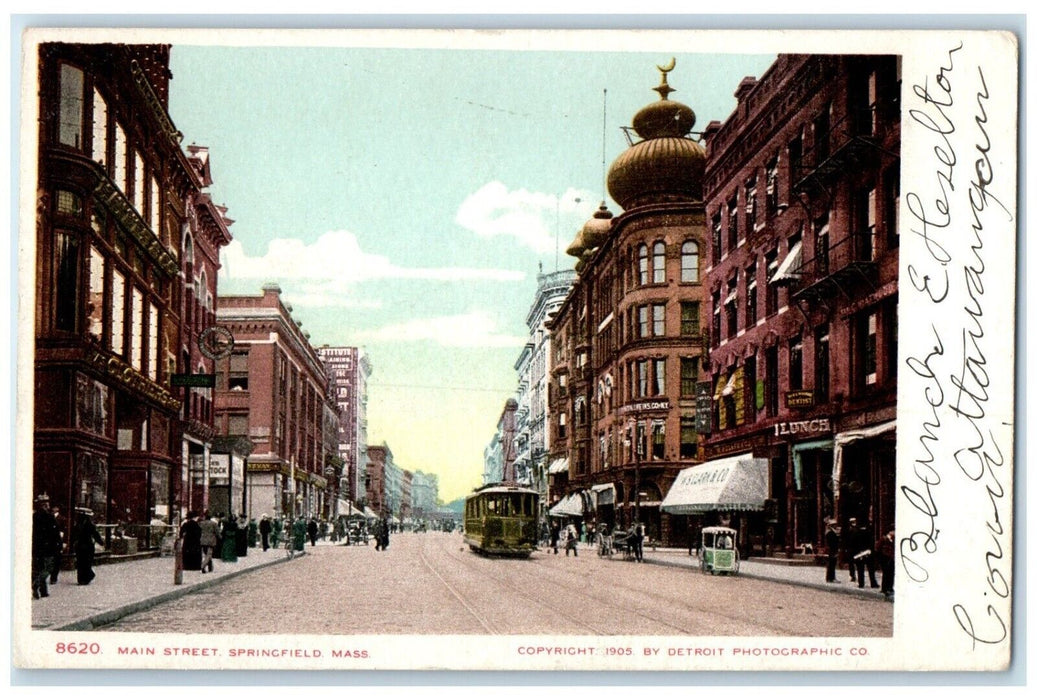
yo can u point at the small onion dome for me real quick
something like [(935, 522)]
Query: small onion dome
[(596, 230), (592, 234), (667, 165)]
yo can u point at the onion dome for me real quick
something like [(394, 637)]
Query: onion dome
[(667, 165), (592, 234)]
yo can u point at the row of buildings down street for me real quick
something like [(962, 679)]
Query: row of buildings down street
[(154, 396), (725, 350)]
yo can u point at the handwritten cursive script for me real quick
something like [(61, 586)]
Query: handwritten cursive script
[(957, 436)]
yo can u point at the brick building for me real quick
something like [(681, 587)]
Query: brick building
[(626, 342), (802, 189), (271, 391), (348, 370), (384, 482), (113, 193), (205, 233)]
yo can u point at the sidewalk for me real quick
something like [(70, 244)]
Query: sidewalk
[(810, 576), (128, 587), (132, 586)]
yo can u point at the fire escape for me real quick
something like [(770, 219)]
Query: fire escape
[(846, 267)]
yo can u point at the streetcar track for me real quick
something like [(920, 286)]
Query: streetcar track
[(560, 612), (676, 602), (479, 618), (642, 610)]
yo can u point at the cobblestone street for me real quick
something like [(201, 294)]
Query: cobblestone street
[(431, 584)]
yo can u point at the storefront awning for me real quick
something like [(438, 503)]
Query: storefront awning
[(789, 269), (559, 466), (605, 494), (571, 505), (731, 483), (369, 513), (842, 439)]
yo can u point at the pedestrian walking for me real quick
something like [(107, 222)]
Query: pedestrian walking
[(832, 546), (84, 537), (265, 528), (276, 532), (46, 545), (253, 533), (299, 534), (886, 548), (241, 536), (638, 540), (55, 568), (861, 553), (191, 542), (311, 531), (210, 540), (229, 539), (556, 533), (571, 540)]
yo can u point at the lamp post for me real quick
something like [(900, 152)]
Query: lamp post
[(637, 466), (637, 470)]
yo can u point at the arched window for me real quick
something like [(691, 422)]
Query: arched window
[(659, 263), (188, 246), (690, 262), (642, 264)]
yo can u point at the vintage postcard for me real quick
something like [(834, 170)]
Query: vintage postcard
[(516, 350)]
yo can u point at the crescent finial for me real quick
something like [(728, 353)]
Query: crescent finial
[(669, 66)]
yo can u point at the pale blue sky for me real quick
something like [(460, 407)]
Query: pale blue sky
[(403, 199)]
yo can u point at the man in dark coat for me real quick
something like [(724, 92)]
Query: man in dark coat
[(638, 540), (46, 545), (191, 537), (241, 536), (84, 537), (311, 530), (832, 546), (265, 527), (886, 548), (299, 534), (862, 555), (229, 550)]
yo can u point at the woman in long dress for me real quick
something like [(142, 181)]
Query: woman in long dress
[(191, 532), (83, 539)]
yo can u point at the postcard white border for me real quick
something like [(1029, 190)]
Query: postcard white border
[(927, 631)]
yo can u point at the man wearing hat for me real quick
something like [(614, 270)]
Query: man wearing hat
[(860, 548), (46, 544), (832, 547)]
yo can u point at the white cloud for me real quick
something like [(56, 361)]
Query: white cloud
[(326, 272), (531, 218), (476, 329)]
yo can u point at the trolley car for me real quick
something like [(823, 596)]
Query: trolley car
[(501, 519)]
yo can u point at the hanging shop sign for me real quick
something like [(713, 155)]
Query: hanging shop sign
[(703, 409), (799, 399)]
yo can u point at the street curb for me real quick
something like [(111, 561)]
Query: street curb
[(864, 594), (107, 617)]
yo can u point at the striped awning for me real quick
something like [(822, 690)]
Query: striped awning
[(559, 465), (789, 269), (571, 505), (732, 483)]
